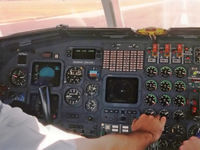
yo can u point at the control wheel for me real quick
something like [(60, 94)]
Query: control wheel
[(180, 72), (152, 71)]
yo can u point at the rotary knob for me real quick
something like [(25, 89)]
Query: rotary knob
[(179, 101), (150, 99), (151, 71), (166, 71), (180, 86), (180, 72), (165, 100), (165, 86), (164, 113), (150, 112), (178, 115), (151, 85)]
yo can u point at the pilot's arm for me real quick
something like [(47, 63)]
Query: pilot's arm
[(146, 130), (20, 131)]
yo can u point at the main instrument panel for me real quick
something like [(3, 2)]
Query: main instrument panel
[(99, 80)]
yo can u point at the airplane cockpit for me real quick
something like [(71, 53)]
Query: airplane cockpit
[(93, 66)]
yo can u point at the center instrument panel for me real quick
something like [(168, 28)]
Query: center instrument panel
[(101, 79)]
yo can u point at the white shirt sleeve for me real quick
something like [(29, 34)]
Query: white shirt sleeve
[(19, 131)]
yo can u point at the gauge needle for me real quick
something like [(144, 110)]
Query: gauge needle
[(14, 76)]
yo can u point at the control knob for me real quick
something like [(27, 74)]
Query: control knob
[(165, 100), (151, 85), (166, 71), (165, 86), (151, 71), (178, 115), (180, 72), (164, 113), (150, 99), (180, 86), (179, 101), (150, 112)]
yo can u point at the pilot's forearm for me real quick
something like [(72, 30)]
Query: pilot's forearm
[(135, 141)]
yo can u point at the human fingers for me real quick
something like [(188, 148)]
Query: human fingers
[(193, 138), (163, 120)]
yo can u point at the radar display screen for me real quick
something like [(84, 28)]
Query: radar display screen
[(83, 54), (46, 73), (121, 90)]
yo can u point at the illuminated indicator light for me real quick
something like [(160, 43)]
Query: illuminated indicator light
[(194, 90), (180, 50), (187, 58), (155, 50), (195, 73), (167, 49), (194, 102), (194, 109), (186, 48), (149, 51)]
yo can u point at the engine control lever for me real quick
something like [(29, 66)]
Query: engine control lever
[(45, 99)]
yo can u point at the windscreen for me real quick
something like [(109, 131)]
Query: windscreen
[(25, 15)]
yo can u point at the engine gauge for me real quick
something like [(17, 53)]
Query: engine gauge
[(193, 130), (72, 96), (18, 77), (91, 105), (178, 130), (74, 75)]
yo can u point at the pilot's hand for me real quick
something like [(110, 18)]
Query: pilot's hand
[(192, 144), (150, 124)]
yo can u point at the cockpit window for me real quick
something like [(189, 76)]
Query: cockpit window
[(24, 15)]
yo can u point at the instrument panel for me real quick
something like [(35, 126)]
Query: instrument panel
[(99, 80)]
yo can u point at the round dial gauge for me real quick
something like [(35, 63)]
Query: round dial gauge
[(74, 75), (193, 130), (91, 105), (178, 130), (72, 96), (18, 77), (91, 89)]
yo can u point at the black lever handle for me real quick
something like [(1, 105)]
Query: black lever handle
[(45, 99)]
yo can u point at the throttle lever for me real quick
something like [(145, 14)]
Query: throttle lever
[(45, 99)]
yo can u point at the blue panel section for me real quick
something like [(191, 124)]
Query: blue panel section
[(47, 72)]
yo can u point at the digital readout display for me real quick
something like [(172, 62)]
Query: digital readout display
[(83, 53)]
